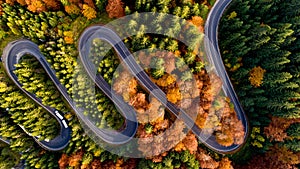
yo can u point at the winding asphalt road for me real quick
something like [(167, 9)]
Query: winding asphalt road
[(15, 50), (104, 33), (12, 55), (213, 51)]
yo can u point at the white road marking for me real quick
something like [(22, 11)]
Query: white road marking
[(58, 115), (65, 124)]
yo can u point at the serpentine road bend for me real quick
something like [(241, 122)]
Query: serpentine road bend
[(15, 50), (213, 51), (104, 33), (12, 55)]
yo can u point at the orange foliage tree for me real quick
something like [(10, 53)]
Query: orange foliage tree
[(277, 157), (276, 129), (85, 7), (189, 143), (115, 9), (232, 129), (73, 160), (81, 160), (72, 9), (198, 21), (173, 95), (1, 10), (225, 163), (10, 2), (90, 3), (36, 5), (206, 161), (51, 4), (22, 2)]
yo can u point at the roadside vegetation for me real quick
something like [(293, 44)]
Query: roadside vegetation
[(8, 158)]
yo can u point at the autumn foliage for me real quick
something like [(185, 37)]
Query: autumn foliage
[(86, 7), (88, 12), (37, 5), (72, 9), (78, 160), (207, 162), (256, 76), (276, 129), (1, 10), (198, 21), (22, 2), (51, 4), (277, 157), (72, 161), (188, 143), (115, 9)]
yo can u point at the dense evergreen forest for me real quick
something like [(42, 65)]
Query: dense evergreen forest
[(260, 45), (8, 158)]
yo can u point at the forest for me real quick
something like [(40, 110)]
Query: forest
[(9, 158), (56, 26), (259, 49), (260, 45)]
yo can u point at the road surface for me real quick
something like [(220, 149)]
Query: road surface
[(213, 51), (104, 33), (12, 55), (15, 50)]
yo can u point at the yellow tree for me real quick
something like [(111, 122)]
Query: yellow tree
[(72, 9), (256, 76), (89, 12)]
